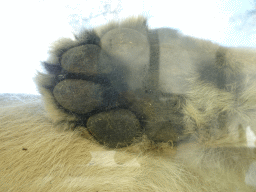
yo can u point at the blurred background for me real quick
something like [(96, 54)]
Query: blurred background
[(29, 26)]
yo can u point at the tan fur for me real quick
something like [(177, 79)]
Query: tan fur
[(42, 149), (37, 155)]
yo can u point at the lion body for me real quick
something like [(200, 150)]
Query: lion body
[(167, 80)]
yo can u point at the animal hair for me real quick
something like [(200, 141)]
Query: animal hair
[(180, 105)]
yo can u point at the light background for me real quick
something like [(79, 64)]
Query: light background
[(28, 27)]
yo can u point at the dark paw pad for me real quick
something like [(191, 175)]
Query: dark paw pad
[(114, 128)]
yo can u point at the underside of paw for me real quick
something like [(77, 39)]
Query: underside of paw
[(102, 80)]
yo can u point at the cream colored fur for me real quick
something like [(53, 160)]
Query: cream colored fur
[(37, 155)]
